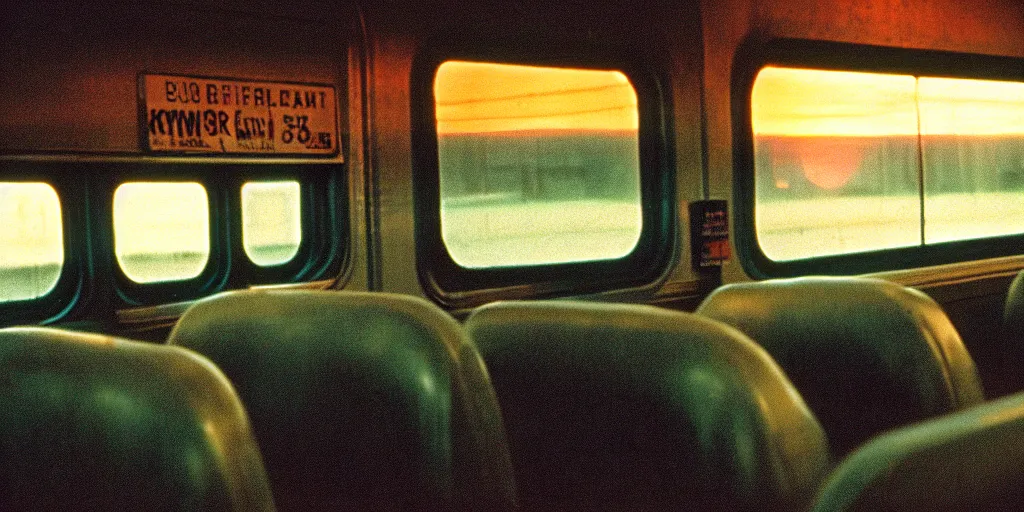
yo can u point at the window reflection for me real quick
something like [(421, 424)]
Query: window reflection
[(835, 162), (850, 162)]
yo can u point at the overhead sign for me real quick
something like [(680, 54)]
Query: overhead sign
[(182, 114)]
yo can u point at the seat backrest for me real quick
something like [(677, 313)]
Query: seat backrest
[(867, 355), (358, 400), (629, 407), (91, 422), (969, 460), (1013, 332)]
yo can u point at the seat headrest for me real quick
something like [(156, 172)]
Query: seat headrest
[(1013, 330), (615, 405), (100, 423), (866, 354), (358, 399)]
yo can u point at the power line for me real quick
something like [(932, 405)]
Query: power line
[(530, 95), (543, 116)]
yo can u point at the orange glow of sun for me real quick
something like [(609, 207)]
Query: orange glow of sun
[(825, 121)]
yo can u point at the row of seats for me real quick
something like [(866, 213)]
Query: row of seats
[(383, 402)]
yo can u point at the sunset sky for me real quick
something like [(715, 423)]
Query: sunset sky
[(478, 97), (971, 107), (802, 102), (810, 102)]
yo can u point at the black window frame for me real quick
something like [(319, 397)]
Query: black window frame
[(323, 250), (755, 54), (92, 285), (446, 281), (318, 251), (214, 274)]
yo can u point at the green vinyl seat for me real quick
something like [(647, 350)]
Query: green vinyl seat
[(359, 401), (630, 407), (867, 355), (969, 460), (1013, 333), (92, 422)]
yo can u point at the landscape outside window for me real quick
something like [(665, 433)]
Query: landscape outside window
[(850, 162), (538, 165)]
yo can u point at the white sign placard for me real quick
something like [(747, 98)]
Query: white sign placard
[(183, 114)]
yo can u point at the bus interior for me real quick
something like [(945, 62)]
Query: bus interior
[(501, 255)]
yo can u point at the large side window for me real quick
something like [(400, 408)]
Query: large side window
[(853, 162), (538, 165), (972, 138), (835, 159), (533, 178), (31, 240)]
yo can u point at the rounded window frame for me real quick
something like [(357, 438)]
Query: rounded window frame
[(213, 275), (324, 243), (451, 284), (322, 251), (71, 287)]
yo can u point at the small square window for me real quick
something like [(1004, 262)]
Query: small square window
[(31, 240), (161, 230), (271, 221)]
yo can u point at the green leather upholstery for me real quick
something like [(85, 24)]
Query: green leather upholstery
[(970, 460), (628, 407), (358, 400), (867, 355), (91, 422), (1013, 332)]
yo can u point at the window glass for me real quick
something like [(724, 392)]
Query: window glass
[(836, 167), (538, 165), (973, 153), (31, 240), (271, 221), (161, 230)]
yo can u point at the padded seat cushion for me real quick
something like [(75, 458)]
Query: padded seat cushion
[(614, 406), (868, 355)]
